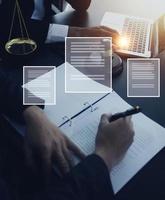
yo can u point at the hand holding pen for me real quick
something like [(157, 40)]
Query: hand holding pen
[(115, 135)]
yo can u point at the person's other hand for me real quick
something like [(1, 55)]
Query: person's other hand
[(113, 139), (98, 31), (45, 144)]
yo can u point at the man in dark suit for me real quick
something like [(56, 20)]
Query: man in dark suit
[(88, 180), (37, 14)]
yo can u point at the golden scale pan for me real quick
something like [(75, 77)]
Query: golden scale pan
[(22, 45)]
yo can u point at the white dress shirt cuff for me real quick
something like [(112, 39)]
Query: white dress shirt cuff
[(56, 33)]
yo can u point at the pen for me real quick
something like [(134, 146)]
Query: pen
[(129, 112)]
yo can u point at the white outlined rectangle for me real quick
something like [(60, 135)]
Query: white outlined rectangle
[(26, 85), (158, 77), (102, 50)]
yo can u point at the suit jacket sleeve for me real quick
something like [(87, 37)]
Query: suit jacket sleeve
[(87, 181), (38, 31), (11, 96)]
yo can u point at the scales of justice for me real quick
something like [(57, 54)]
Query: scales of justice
[(21, 45)]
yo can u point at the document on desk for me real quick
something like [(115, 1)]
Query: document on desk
[(77, 102), (149, 138), (83, 124)]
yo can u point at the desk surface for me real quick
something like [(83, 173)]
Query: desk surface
[(149, 182), (152, 107)]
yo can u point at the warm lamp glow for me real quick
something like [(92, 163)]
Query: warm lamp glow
[(123, 42)]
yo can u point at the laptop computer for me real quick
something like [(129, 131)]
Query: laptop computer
[(136, 33)]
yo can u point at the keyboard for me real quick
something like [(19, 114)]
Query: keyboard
[(135, 30)]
